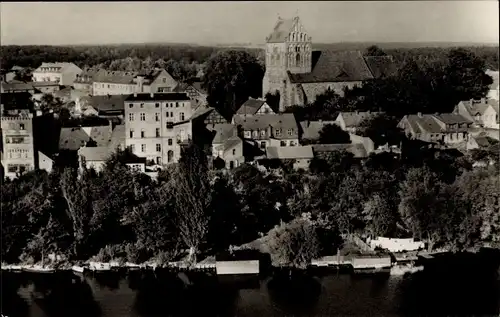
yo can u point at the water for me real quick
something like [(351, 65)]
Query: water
[(459, 287)]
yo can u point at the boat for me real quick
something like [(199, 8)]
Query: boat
[(399, 270)]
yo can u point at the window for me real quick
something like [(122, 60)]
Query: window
[(131, 133), (157, 105), (177, 104), (263, 132), (170, 155), (278, 132), (166, 114), (143, 147), (282, 143), (170, 141), (130, 117), (132, 148), (170, 125), (12, 168), (157, 132), (292, 143), (21, 126), (143, 133), (158, 147), (181, 116), (247, 134), (109, 86), (130, 105), (255, 134), (164, 80), (142, 105), (262, 145), (143, 116), (157, 116), (234, 151), (171, 114), (290, 132)]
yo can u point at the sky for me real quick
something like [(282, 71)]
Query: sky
[(59, 23)]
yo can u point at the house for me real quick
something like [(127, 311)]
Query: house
[(114, 83), (450, 129), (96, 157), (17, 114), (106, 106), (311, 129), (47, 87), (253, 107), (299, 74), (155, 81), (15, 87), (73, 138), (323, 151), (227, 146), (300, 155), (7, 76), (484, 113), (350, 121), (60, 73), (84, 81), (494, 87), (195, 91), (45, 162), (481, 141), (158, 125), (269, 129)]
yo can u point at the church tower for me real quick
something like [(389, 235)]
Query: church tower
[(288, 48)]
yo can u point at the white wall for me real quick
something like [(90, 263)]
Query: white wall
[(237, 267)]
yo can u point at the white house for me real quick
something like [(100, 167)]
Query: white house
[(61, 73), (484, 113)]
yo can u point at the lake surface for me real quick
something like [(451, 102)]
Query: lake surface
[(460, 286)]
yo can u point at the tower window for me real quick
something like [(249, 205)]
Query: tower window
[(297, 59)]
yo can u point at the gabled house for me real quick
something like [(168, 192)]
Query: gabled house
[(269, 129), (484, 113), (60, 73), (300, 155), (350, 121), (84, 81), (106, 106), (154, 81), (253, 107), (18, 87), (448, 128), (195, 91)]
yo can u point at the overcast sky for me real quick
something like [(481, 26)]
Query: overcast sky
[(246, 22)]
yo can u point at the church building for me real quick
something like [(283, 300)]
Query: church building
[(300, 74)]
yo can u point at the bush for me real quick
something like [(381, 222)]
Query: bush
[(110, 252), (136, 253)]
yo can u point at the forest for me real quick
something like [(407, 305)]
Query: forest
[(193, 210)]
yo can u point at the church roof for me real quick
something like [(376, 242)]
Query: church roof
[(281, 31), (333, 66)]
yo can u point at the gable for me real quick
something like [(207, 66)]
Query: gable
[(164, 78)]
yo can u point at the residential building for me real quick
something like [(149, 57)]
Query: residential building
[(47, 87), (157, 125), (195, 91), (73, 138), (114, 83), (18, 87), (124, 83), (481, 141), (155, 80), (96, 157), (45, 162), (253, 107), (300, 155), (350, 121), (61, 73), (494, 87), (448, 128), (84, 81), (269, 129), (484, 113), (358, 150), (17, 113), (300, 74), (106, 106), (7, 76)]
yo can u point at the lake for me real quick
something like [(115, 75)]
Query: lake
[(461, 285)]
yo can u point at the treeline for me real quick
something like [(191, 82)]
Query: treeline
[(88, 56), (192, 210)]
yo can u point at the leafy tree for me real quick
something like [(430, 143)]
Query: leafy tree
[(333, 134), (381, 129), (230, 78), (380, 217), (294, 244), (273, 100), (374, 51)]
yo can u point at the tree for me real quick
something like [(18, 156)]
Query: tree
[(380, 217), (49, 102), (294, 244), (190, 184), (333, 134), (381, 129), (374, 51), (230, 78), (273, 100)]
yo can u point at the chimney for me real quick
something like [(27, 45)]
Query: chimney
[(419, 114), (135, 94)]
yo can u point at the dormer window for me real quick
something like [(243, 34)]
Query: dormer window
[(262, 132), (290, 132)]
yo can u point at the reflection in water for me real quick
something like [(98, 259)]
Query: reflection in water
[(466, 287)]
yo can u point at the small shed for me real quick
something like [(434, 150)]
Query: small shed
[(237, 262)]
